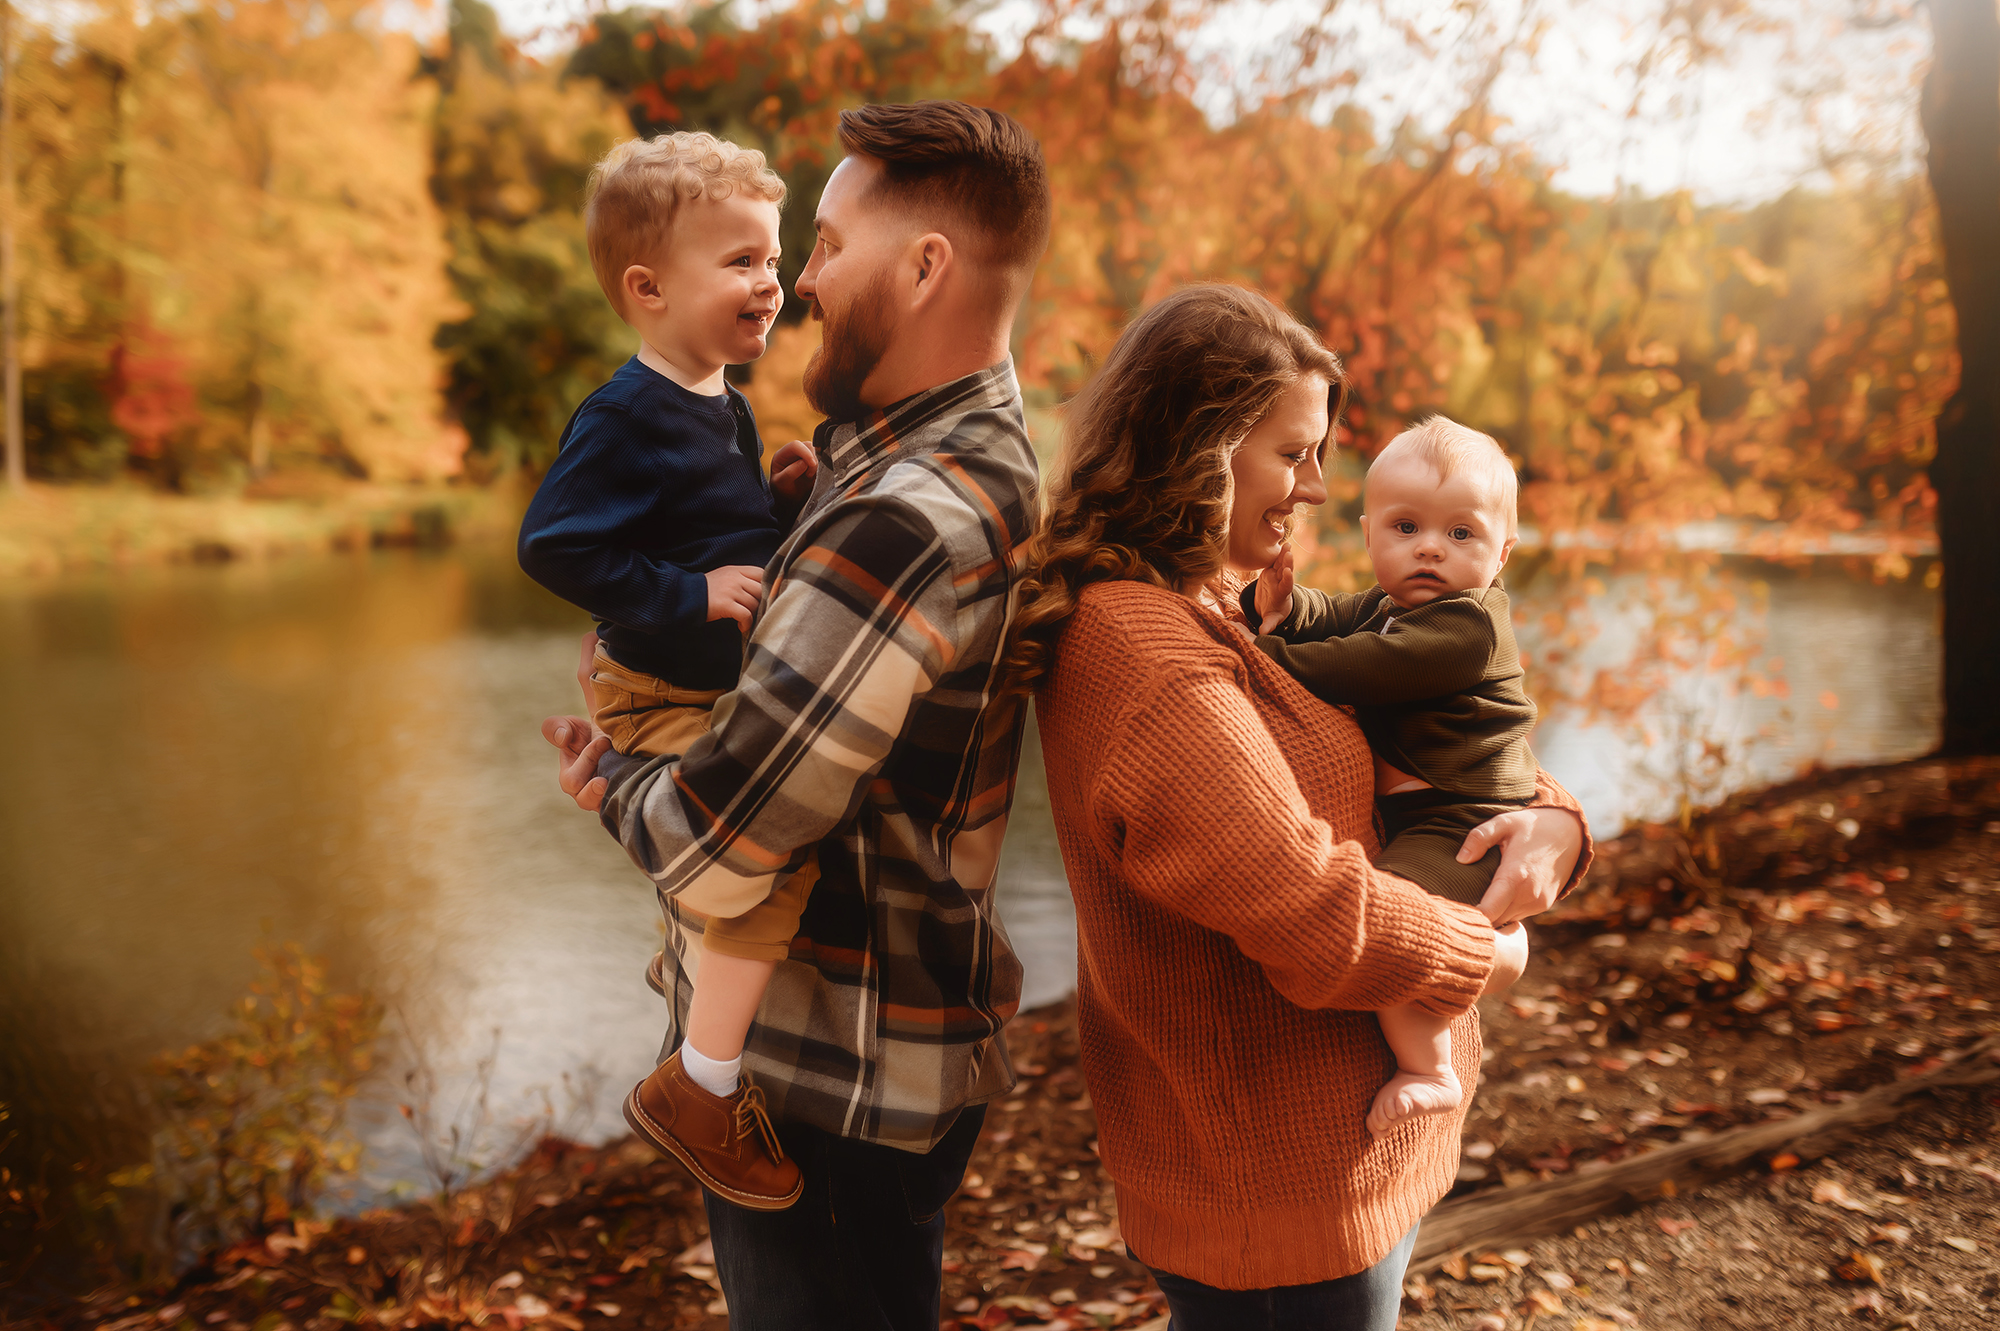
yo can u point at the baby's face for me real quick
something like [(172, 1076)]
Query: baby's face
[(1428, 538)]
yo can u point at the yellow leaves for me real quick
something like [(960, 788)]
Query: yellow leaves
[(1831, 1192), (1755, 272), (1861, 1267), (256, 1115)]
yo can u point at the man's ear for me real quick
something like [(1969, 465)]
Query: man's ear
[(931, 259), (642, 289)]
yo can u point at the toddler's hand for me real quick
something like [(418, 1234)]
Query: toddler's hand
[(733, 592), (1274, 592), (792, 470)]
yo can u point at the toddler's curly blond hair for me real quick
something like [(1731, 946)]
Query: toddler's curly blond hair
[(634, 194)]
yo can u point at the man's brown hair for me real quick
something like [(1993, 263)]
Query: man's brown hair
[(978, 166)]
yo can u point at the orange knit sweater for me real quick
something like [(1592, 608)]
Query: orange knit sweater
[(1234, 943)]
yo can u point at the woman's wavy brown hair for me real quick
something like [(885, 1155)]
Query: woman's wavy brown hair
[(1141, 489)]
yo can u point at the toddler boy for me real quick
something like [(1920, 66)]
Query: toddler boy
[(658, 520), (1427, 655)]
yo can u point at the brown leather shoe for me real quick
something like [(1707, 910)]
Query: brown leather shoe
[(656, 974), (728, 1143)]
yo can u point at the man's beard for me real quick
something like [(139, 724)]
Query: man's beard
[(852, 343)]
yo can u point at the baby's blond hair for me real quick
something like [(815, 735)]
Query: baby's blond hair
[(634, 194), (1445, 446)]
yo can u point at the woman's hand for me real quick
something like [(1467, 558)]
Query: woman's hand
[(1538, 848), (1510, 959)]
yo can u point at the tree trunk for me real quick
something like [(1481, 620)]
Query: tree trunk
[(1961, 118), (10, 286)]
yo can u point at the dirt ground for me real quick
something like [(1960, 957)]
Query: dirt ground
[(1781, 953)]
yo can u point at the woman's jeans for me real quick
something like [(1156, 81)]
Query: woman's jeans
[(1365, 1301)]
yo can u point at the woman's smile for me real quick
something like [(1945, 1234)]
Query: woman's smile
[(1265, 472)]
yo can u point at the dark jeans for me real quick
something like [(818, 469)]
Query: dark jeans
[(860, 1251), (1365, 1301)]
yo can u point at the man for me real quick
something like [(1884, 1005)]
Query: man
[(865, 730)]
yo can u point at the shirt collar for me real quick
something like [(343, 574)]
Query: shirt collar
[(849, 447)]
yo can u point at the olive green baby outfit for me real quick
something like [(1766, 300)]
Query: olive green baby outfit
[(1438, 692)]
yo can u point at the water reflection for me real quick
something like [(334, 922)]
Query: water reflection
[(344, 754)]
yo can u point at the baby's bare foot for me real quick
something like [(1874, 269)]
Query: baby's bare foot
[(1411, 1094)]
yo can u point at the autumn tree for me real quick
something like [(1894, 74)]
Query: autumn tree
[(234, 257), (1961, 117), (779, 85), (512, 144)]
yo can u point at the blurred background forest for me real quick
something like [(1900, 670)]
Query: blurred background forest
[(300, 274), (274, 248), (270, 237)]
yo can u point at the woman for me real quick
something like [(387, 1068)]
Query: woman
[(1216, 821)]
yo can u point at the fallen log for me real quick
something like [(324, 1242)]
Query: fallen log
[(1512, 1215)]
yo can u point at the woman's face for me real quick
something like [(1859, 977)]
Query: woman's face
[(1278, 467)]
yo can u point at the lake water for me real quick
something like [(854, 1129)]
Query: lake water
[(344, 754)]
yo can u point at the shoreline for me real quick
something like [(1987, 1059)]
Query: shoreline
[(1789, 949), (48, 530)]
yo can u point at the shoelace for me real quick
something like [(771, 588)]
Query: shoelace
[(750, 1113)]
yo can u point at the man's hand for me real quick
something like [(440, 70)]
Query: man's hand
[(733, 593), (1538, 848), (578, 747), (1274, 592), (579, 743), (793, 468)]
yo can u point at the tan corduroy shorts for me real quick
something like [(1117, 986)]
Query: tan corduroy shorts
[(644, 714)]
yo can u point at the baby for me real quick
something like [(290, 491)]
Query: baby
[(1428, 657), (658, 520)]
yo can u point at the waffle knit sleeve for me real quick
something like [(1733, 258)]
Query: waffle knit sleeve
[(1196, 806)]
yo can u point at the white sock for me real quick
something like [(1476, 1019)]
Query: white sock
[(715, 1075)]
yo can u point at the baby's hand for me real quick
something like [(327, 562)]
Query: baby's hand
[(733, 592), (792, 470), (1274, 592)]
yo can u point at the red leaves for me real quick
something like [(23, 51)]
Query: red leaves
[(151, 396)]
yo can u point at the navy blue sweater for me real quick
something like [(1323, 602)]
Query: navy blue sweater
[(652, 487)]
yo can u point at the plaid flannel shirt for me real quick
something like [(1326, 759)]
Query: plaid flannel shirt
[(864, 728)]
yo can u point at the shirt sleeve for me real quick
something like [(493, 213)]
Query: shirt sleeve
[(1315, 615), (578, 535), (1234, 850), (858, 627), (1438, 649)]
